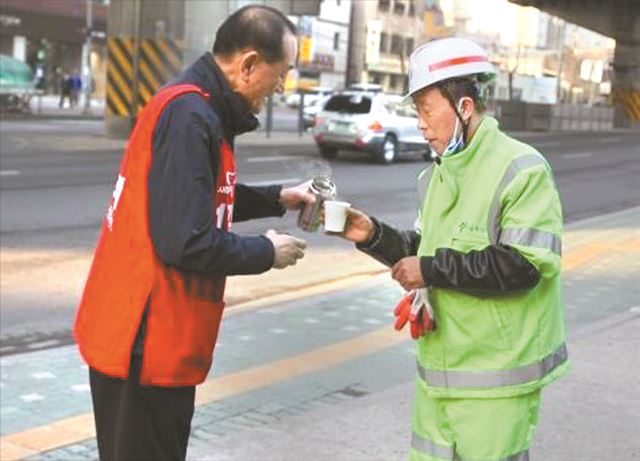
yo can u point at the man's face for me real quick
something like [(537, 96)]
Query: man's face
[(436, 118), (268, 78)]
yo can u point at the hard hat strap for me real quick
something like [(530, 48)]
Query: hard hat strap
[(465, 125)]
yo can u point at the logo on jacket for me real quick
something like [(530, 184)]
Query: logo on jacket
[(465, 227), (230, 183)]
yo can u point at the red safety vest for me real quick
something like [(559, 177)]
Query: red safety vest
[(184, 308)]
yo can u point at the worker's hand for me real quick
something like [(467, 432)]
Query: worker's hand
[(293, 198), (288, 249), (358, 228), (407, 273)]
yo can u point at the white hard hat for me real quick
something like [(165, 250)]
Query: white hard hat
[(446, 58)]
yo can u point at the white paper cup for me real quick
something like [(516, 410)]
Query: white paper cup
[(335, 215)]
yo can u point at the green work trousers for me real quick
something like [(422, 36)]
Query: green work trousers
[(462, 429)]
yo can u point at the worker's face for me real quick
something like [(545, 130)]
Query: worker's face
[(264, 79), (436, 118)]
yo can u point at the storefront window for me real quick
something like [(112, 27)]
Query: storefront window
[(384, 39), (396, 44)]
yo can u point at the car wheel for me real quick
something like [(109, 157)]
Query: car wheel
[(426, 155), (328, 152), (388, 150)]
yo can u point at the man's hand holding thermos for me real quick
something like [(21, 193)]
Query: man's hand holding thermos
[(288, 249)]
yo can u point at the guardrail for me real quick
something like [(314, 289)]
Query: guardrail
[(523, 116)]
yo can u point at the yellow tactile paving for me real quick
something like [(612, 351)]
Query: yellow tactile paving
[(280, 370)]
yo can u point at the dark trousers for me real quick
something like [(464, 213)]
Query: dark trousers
[(140, 423)]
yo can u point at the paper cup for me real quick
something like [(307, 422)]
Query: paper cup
[(335, 215)]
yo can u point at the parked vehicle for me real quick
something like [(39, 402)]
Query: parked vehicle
[(364, 86), (310, 111), (310, 96), (368, 121), (17, 85)]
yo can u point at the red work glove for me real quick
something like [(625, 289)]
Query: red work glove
[(415, 309), (403, 310)]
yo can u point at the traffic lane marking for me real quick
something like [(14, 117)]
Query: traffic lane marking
[(576, 155), (10, 173), (277, 158)]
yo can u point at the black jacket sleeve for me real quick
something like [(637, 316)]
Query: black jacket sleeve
[(257, 202), (389, 245), (492, 270), (181, 185)]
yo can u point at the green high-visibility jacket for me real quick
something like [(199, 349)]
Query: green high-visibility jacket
[(496, 191)]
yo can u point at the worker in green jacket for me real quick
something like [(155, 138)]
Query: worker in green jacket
[(486, 254)]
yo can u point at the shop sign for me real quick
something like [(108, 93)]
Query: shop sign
[(7, 20)]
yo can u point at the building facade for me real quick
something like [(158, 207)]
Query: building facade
[(383, 34), (324, 46)]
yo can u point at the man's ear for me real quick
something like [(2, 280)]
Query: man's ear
[(248, 63), (467, 108)]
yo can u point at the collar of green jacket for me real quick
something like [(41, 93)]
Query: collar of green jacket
[(486, 125), (449, 168)]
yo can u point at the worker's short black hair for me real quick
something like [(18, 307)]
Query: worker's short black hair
[(459, 87), (255, 26)]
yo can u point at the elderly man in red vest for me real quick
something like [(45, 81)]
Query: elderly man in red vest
[(151, 308)]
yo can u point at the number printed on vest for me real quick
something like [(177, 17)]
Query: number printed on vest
[(117, 191), (224, 210)]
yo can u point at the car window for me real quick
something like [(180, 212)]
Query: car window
[(406, 110), (349, 103), (389, 106)]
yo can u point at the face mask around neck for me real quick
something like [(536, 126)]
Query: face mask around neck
[(456, 143)]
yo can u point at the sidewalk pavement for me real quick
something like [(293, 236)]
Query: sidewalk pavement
[(324, 376), (592, 414), (47, 107)]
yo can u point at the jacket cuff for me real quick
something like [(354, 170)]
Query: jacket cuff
[(273, 194), (271, 254), (426, 268), (375, 239)]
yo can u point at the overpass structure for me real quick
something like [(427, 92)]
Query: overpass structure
[(620, 20)]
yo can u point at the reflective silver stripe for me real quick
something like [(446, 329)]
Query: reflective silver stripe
[(521, 456), (424, 178), (532, 238), (519, 164), (429, 447), (495, 378)]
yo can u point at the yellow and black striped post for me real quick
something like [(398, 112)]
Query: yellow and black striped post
[(160, 61), (130, 88), (120, 72), (630, 100)]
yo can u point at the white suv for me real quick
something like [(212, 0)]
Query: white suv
[(368, 121)]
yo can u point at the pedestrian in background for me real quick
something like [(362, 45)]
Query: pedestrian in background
[(152, 305), (76, 87), (486, 249), (65, 89)]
